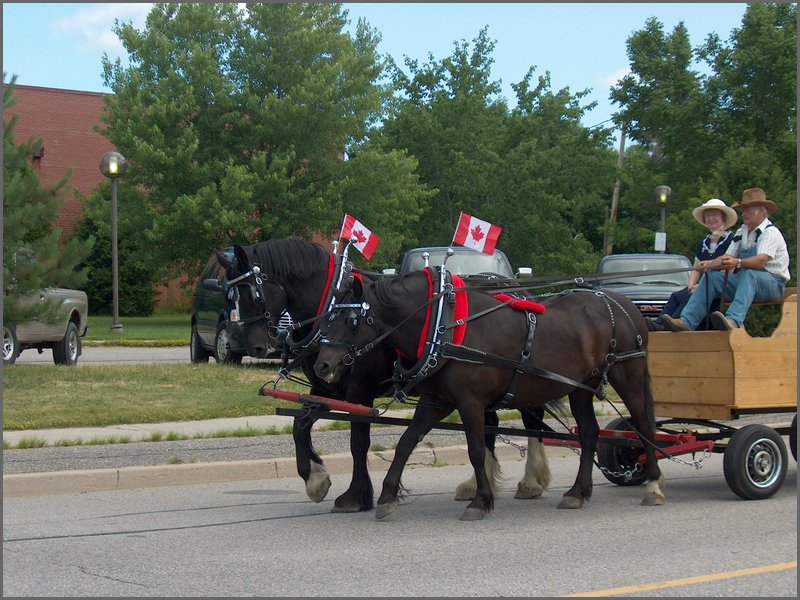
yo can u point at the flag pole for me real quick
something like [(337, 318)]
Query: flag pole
[(455, 231), (341, 231)]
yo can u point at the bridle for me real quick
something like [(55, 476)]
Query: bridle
[(256, 294)]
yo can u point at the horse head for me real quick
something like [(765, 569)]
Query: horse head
[(257, 299)]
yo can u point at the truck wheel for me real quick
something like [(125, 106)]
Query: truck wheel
[(615, 460), (10, 344), (67, 350), (754, 462), (793, 438), (222, 347), (197, 353)]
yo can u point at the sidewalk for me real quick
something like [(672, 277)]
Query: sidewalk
[(135, 477)]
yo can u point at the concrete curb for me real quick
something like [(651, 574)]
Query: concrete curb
[(129, 478)]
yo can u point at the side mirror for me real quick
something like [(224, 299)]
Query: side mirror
[(524, 272), (211, 285)]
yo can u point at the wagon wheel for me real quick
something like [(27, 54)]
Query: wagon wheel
[(615, 459), (793, 438), (754, 462)]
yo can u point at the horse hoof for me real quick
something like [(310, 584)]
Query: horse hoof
[(527, 491), (346, 509), (473, 514), (318, 484), (653, 495), (384, 510), (570, 502)]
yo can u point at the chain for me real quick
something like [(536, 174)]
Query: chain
[(522, 449)]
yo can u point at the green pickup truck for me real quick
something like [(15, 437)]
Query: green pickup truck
[(63, 337)]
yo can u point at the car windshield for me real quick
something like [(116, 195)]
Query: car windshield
[(679, 279), (462, 263)]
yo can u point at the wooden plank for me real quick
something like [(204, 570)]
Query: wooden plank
[(765, 393), (696, 364), (689, 341), (693, 390), (692, 411)]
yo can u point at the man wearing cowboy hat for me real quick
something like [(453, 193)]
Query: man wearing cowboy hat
[(758, 269), (719, 218)]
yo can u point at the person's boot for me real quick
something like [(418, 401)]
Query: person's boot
[(721, 322), (674, 324)]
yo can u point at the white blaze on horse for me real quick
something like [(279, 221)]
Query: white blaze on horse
[(582, 339)]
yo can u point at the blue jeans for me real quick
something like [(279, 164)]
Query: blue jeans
[(743, 288)]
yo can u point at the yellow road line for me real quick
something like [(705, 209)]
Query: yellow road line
[(686, 581)]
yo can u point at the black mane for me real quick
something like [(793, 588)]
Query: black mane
[(290, 258)]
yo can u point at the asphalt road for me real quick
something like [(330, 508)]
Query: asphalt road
[(265, 538)]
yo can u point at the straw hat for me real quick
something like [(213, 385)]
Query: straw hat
[(730, 215), (755, 197)]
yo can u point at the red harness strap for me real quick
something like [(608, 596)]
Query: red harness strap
[(331, 264), (520, 304), (460, 311)]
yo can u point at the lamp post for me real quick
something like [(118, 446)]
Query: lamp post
[(113, 166), (662, 195)]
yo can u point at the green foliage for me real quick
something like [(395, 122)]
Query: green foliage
[(535, 171), (236, 123), (709, 136), (33, 257), (135, 273)]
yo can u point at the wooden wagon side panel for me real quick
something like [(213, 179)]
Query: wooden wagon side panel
[(691, 374), (766, 368), (712, 374)]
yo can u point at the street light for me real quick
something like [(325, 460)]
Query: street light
[(113, 166), (662, 195)]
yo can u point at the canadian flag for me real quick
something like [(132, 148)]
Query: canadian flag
[(476, 234), (363, 239)]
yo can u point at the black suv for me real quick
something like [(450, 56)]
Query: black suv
[(213, 331)]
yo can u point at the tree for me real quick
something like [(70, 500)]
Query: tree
[(536, 171), (33, 258), (236, 124)]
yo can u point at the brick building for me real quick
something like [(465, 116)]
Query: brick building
[(66, 121)]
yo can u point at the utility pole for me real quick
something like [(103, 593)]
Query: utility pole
[(612, 221)]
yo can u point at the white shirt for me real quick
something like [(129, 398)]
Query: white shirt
[(769, 241)]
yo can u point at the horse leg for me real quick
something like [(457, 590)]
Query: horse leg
[(309, 465), (359, 496), (642, 418), (425, 417), (466, 489), (474, 427), (537, 470), (580, 402)]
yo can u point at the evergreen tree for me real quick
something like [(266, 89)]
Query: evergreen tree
[(33, 257)]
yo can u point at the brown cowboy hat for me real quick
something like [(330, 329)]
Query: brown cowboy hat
[(755, 197)]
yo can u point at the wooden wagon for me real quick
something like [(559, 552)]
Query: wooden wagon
[(702, 377)]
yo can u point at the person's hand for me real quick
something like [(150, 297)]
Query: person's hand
[(692, 287), (728, 262)]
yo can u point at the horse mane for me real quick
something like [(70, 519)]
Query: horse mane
[(386, 290), (292, 257)]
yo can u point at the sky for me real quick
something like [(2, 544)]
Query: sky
[(582, 45)]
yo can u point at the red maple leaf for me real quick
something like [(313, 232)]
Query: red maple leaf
[(476, 233), (360, 237)]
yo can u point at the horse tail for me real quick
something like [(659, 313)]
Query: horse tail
[(649, 401)]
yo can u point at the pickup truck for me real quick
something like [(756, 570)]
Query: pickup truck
[(647, 291), (63, 337), (465, 261)]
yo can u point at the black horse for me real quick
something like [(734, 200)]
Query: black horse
[(582, 337), (300, 276)]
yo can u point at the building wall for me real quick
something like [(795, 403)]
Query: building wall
[(66, 121)]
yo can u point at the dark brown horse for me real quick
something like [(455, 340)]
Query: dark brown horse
[(300, 276), (583, 336)]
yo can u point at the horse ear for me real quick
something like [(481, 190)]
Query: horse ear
[(223, 260), (241, 256), (357, 287)]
